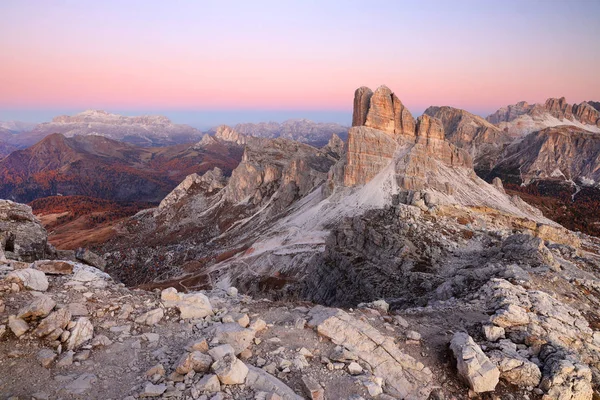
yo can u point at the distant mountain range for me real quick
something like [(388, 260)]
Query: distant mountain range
[(525, 142), (141, 131), (100, 167), (152, 131), (300, 130)]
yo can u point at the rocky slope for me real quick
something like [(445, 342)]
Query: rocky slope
[(151, 130), (563, 153), (6, 149), (483, 140), (267, 228), (503, 315), (100, 167), (522, 118), (301, 130)]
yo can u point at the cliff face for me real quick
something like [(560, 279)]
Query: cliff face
[(480, 138), (559, 153), (382, 126)]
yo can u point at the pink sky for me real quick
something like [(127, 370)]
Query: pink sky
[(294, 56)]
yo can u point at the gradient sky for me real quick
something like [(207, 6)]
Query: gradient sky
[(209, 62)]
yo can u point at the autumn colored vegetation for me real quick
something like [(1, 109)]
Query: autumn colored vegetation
[(575, 210)]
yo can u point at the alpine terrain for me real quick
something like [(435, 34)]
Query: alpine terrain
[(379, 268)]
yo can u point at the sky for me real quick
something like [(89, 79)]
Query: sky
[(208, 62)]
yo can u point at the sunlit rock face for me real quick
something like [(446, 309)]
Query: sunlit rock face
[(382, 126)]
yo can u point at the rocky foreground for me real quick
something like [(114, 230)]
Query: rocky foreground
[(68, 330)]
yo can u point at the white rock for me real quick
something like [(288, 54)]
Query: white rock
[(473, 365), (230, 370), (412, 335), (81, 333), (220, 351), (239, 338), (17, 326), (40, 307), (354, 368), (151, 317), (195, 361), (493, 333), (170, 295), (151, 390), (30, 278), (209, 383)]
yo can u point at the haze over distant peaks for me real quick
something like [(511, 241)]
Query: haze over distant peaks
[(148, 130), (301, 130)]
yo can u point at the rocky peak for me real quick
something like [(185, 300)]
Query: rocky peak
[(381, 126), (228, 134), (362, 102), (335, 146), (429, 128), (523, 118), (483, 140), (383, 111)]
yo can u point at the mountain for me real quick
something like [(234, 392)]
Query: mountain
[(284, 200), (16, 126), (99, 167), (565, 153), (141, 130), (301, 130), (6, 149), (483, 140), (522, 118), (398, 221), (408, 275)]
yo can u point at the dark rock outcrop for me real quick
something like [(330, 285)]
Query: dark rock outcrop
[(22, 236)]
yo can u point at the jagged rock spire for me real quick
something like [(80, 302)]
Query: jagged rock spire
[(382, 110)]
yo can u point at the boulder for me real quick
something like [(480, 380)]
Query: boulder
[(510, 316), (30, 279), (259, 379), (209, 383), (564, 378), (516, 369), (17, 326), (152, 390), (473, 365), (232, 333), (190, 305), (493, 333), (194, 361), (404, 376), (230, 370), (220, 351), (81, 333), (22, 235), (46, 357), (54, 322), (312, 388), (151, 317), (40, 307), (54, 267)]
